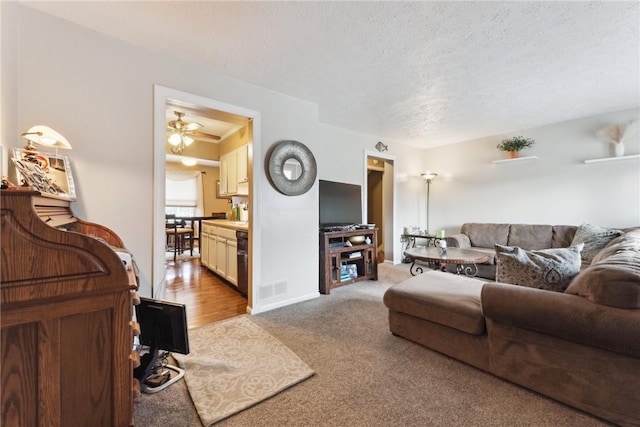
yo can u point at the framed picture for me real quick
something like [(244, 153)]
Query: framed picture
[(50, 174)]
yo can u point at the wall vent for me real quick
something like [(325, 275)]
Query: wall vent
[(272, 290), (279, 288)]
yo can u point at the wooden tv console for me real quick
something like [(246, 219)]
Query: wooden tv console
[(66, 318), (335, 253)]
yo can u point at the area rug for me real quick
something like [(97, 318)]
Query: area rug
[(234, 364)]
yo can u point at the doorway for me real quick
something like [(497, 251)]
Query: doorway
[(379, 192), (165, 100)]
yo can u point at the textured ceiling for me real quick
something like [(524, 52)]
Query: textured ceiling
[(420, 73)]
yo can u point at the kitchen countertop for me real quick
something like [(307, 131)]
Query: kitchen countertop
[(234, 225)]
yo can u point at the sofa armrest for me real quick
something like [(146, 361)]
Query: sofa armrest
[(565, 316), (458, 241)]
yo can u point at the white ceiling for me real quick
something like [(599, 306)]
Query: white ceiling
[(420, 73)]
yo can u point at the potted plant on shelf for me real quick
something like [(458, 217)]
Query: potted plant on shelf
[(513, 145)]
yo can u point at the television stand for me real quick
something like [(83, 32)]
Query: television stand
[(347, 256)]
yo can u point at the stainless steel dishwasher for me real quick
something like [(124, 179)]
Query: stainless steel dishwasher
[(243, 261)]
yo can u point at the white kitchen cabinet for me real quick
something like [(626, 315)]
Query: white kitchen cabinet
[(242, 162), (234, 172), (211, 257), (208, 246), (219, 251), (204, 245), (221, 256)]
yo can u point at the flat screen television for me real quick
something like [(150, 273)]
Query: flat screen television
[(340, 204)]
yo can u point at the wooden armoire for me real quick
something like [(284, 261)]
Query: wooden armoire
[(66, 318)]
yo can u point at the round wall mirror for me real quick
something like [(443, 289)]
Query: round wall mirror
[(292, 168)]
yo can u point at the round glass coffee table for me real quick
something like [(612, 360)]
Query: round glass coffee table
[(466, 260)]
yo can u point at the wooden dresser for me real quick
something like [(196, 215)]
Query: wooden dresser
[(66, 318)]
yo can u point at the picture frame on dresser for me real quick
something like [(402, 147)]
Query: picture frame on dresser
[(48, 173)]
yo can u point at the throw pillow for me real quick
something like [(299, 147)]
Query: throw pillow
[(594, 238), (613, 278), (549, 269)]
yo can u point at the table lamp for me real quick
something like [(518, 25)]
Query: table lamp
[(42, 135)]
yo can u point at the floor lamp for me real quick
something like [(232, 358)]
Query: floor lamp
[(428, 176)]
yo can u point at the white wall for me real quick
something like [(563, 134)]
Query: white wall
[(559, 188), (98, 92)]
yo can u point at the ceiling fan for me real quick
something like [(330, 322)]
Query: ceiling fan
[(184, 133)]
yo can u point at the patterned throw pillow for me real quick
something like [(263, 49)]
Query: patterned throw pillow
[(594, 238), (550, 269)]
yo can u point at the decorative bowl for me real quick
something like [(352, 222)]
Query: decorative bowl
[(356, 239)]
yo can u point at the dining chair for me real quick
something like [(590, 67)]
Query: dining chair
[(179, 236)]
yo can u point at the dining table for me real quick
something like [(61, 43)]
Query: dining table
[(193, 220)]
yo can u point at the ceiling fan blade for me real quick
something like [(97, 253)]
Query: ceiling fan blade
[(188, 127), (203, 135)]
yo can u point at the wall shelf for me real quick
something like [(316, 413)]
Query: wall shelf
[(517, 159), (613, 159)]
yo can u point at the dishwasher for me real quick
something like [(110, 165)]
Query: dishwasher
[(243, 261)]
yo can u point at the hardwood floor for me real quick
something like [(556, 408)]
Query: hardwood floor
[(207, 297)]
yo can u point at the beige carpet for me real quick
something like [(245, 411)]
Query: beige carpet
[(234, 364), (367, 377)]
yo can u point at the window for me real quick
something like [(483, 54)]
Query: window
[(183, 193)]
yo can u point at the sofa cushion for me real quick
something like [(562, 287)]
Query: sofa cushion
[(613, 278), (628, 242), (530, 236), (564, 316), (486, 235), (549, 269), (442, 298), (594, 238), (563, 235)]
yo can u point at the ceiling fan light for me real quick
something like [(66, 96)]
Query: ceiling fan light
[(187, 140), (174, 139), (189, 161)]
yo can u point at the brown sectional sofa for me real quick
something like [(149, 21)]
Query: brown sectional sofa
[(481, 237), (580, 347)]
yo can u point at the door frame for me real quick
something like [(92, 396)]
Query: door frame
[(390, 220), (161, 95)]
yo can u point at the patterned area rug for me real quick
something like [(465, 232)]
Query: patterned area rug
[(234, 364)]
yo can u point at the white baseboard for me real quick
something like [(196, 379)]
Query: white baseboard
[(268, 307)]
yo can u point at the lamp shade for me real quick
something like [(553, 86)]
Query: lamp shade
[(428, 176), (175, 139), (44, 135)]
